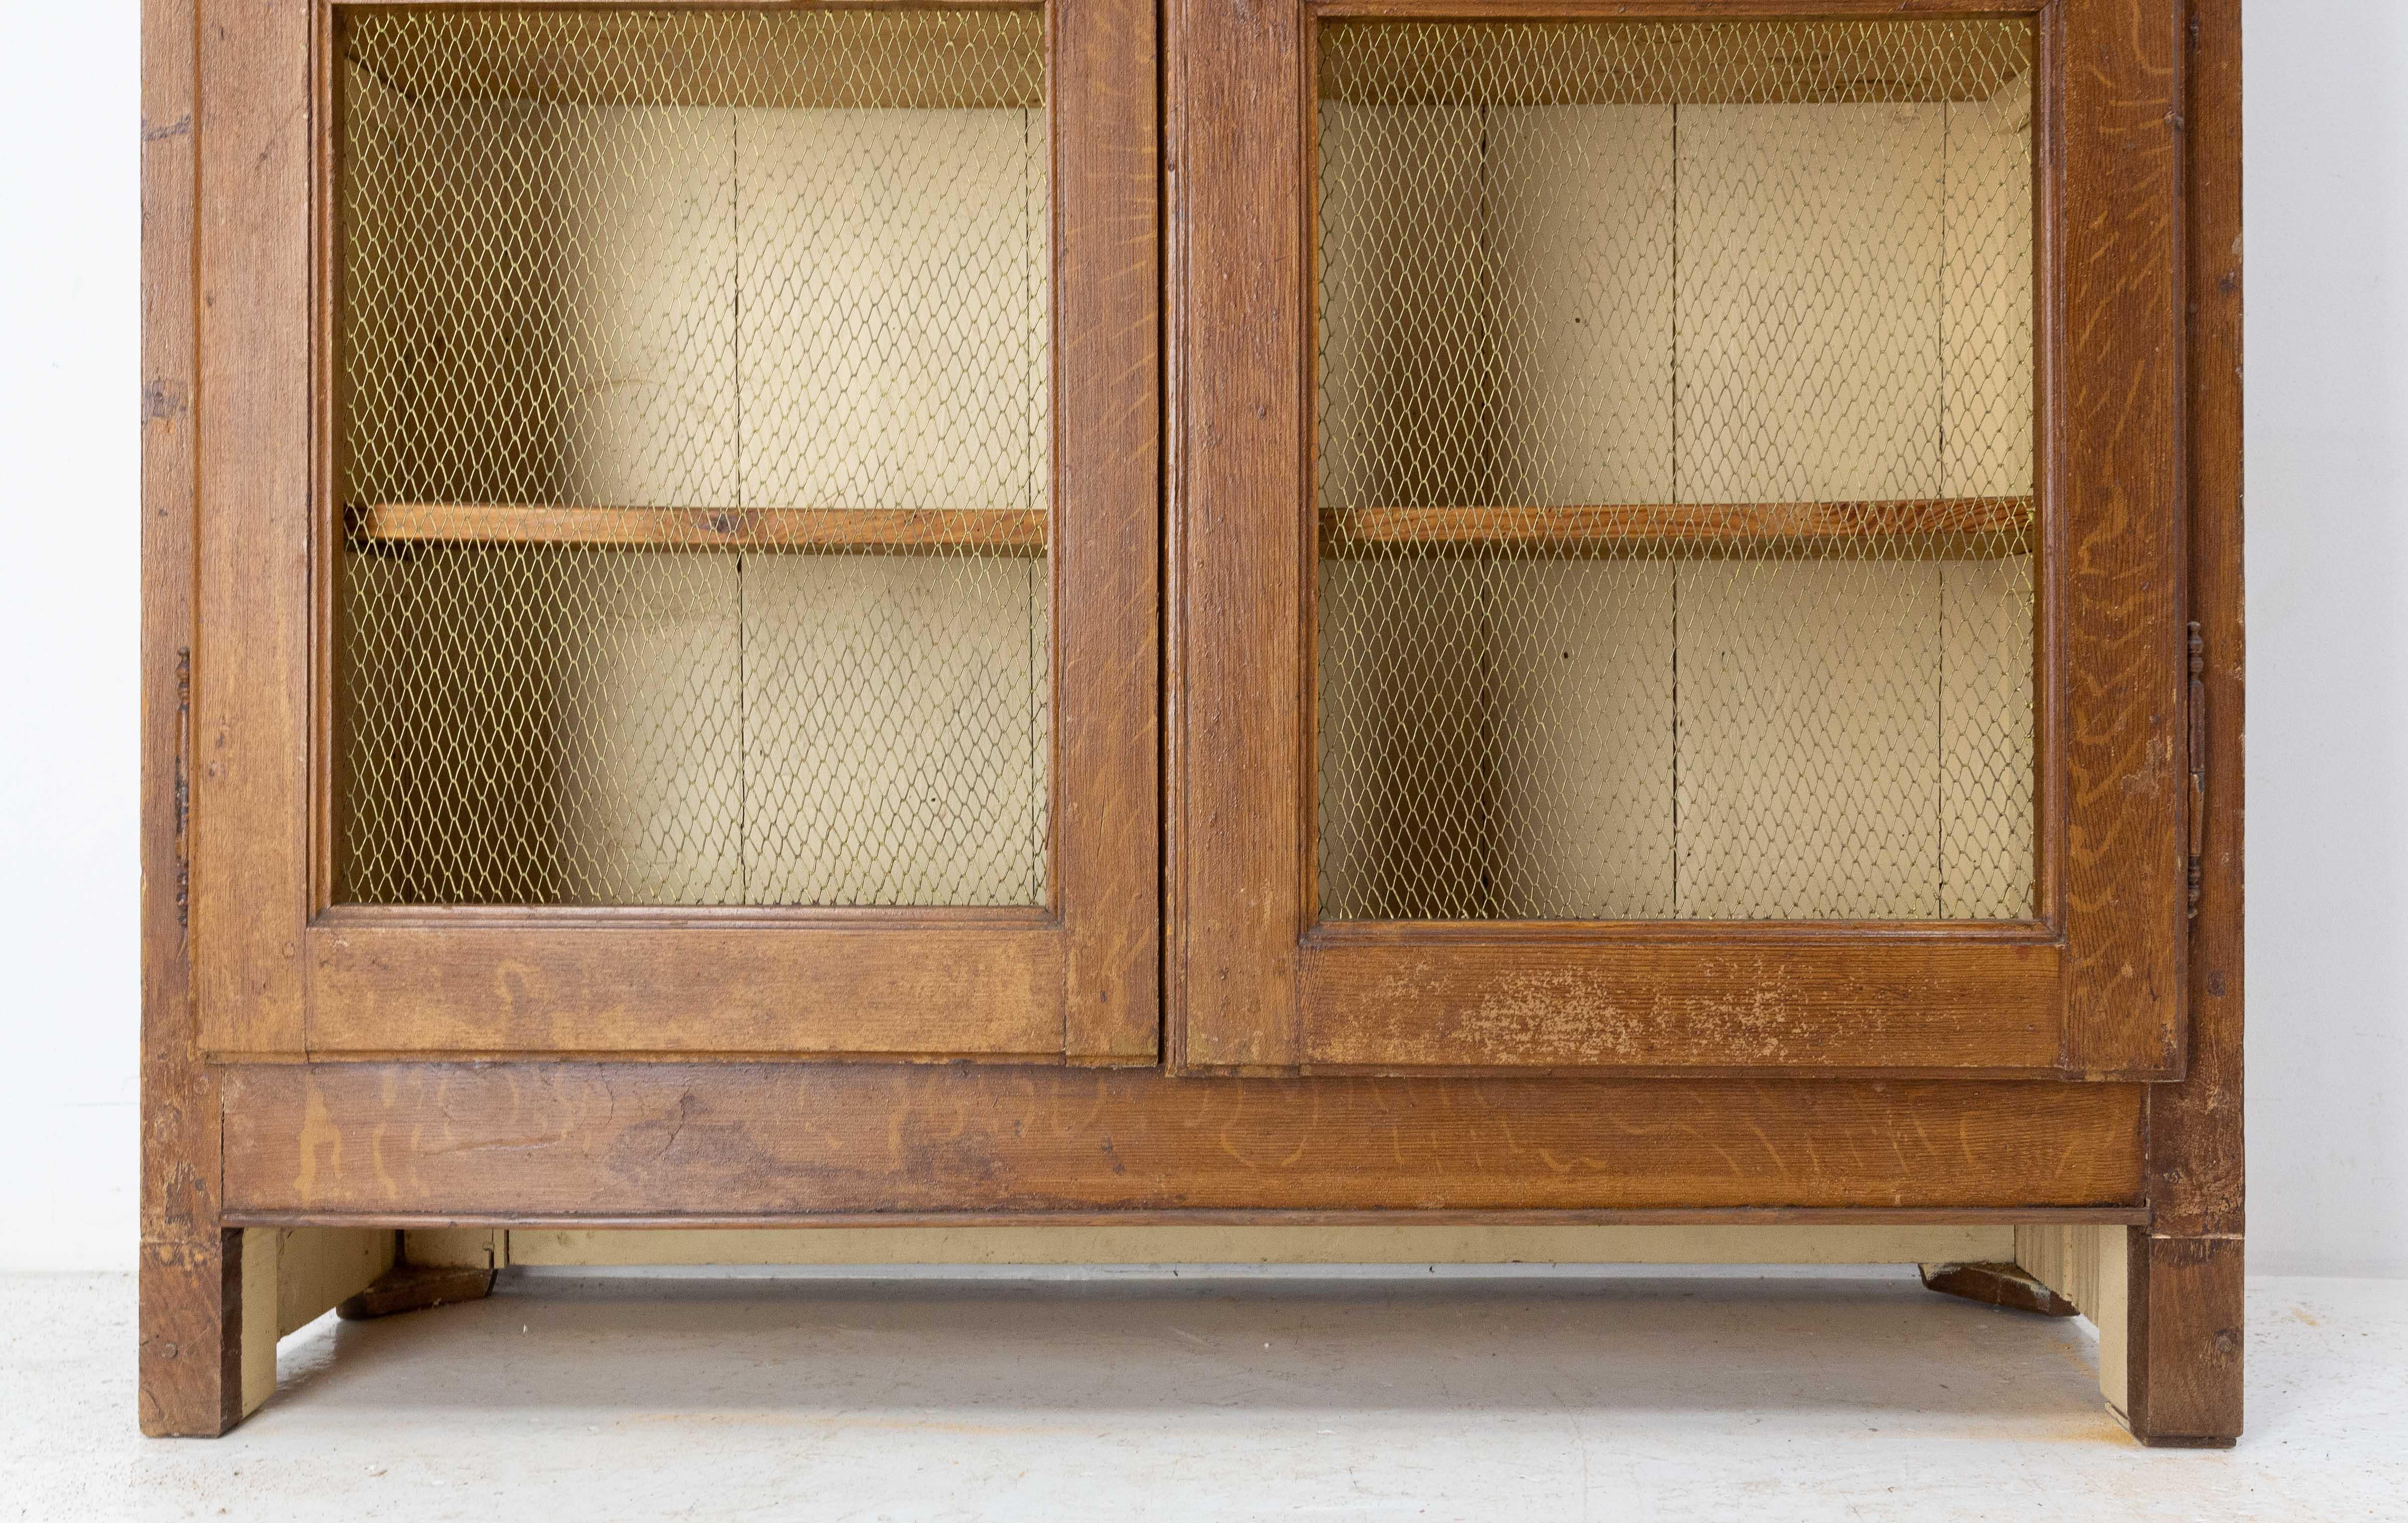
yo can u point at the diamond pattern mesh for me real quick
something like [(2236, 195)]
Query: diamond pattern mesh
[(1674, 460), (693, 456)]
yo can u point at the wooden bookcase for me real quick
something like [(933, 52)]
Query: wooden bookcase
[(1203, 630)]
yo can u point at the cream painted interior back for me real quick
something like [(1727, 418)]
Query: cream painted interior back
[(729, 308), (1641, 736)]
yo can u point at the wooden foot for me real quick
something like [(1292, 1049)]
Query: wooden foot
[(2183, 1389), (190, 1368), (212, 1311), (2169, 1316), (2003, 1285), (417, 1288)]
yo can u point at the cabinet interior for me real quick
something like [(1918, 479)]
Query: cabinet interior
[(692, 452), (1675, 459)]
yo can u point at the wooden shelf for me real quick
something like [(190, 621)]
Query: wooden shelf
[(1018, 531), (1924, 528)]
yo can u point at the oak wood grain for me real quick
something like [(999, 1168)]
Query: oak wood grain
[(600, 987), (2117, 424), (1108, 497), (2183, 1382), (2187, 1337), (1868, 1002), (527, 1142), (2197, 1143), (1239, 288), (250, 710)]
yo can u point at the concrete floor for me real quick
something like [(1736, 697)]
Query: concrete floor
[(1118, 1397)]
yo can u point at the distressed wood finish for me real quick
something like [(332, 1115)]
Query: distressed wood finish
[(1107, 494), (2119, 477), (2182, 1332), (190, 1361), (533, 1142), (624, 984), (1871, 1001), (189, 1368), (252, 405)]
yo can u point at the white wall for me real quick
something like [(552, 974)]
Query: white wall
[(2328, 563), (2327, 123), (70, 552)]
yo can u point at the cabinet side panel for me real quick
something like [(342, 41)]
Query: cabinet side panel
[(2196, 1157), (250, 872), (187, 1381)]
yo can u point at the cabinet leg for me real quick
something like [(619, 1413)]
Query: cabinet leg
[(2168, 1311), (2182, 1336), (212, 1310), (191, 1364)]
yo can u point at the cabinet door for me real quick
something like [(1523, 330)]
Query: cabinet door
[(1677, 518), (677, 531)]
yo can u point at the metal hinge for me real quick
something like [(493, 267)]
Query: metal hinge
[(2198, 761)]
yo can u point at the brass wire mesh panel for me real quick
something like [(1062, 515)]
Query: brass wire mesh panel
[(690, 409), (1675, 462)]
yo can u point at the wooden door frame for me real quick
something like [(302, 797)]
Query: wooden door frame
[(2089, 986), (280, 970)]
